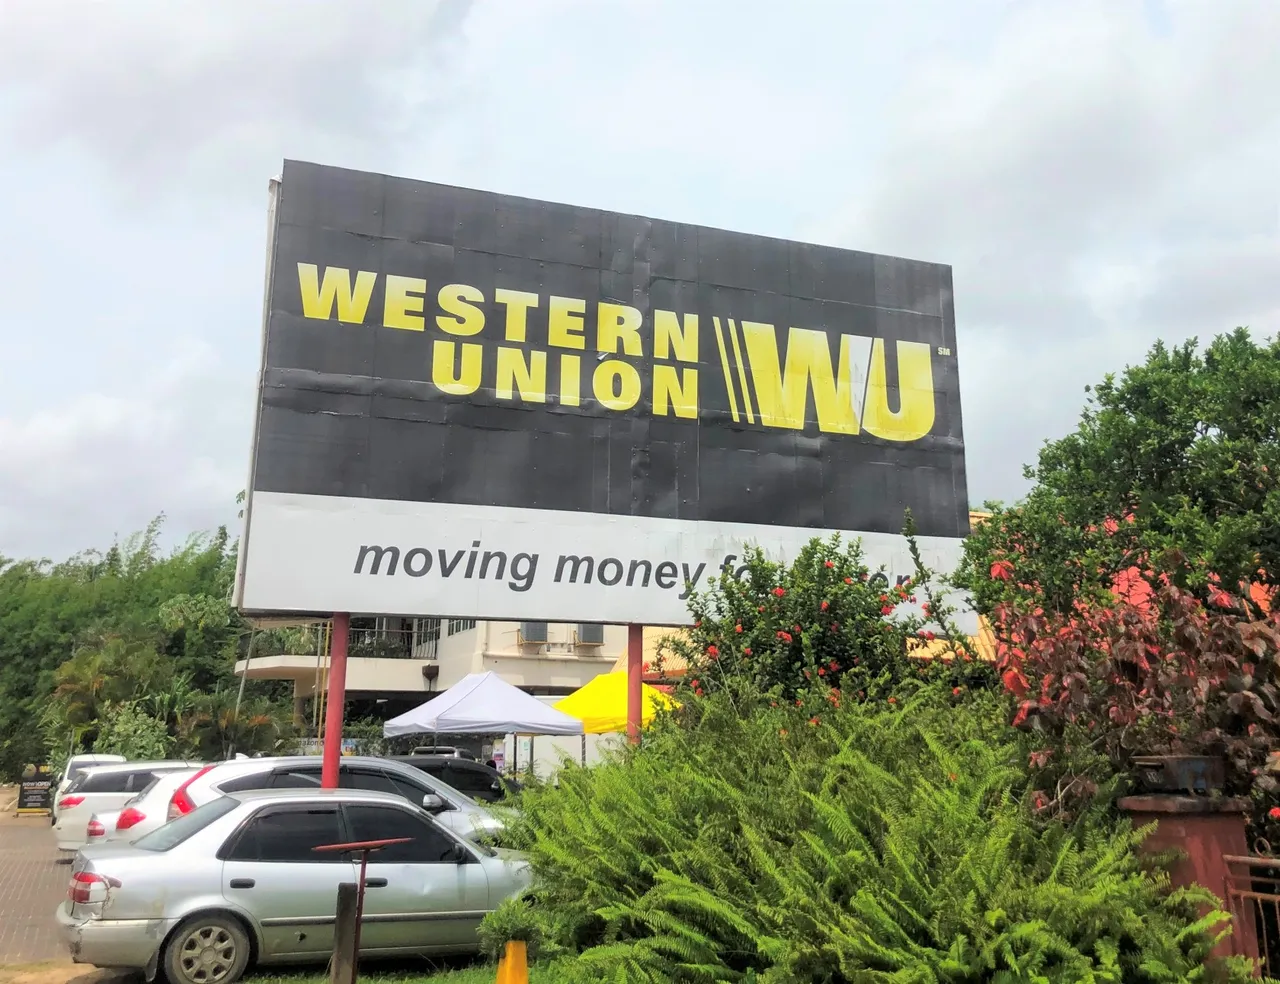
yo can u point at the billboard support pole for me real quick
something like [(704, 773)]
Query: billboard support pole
[(337, 700), (635, 680)]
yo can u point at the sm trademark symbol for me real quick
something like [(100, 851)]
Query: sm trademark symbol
[(943, 350)]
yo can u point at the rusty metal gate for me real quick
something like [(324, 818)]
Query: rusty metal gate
[(1253, 899)]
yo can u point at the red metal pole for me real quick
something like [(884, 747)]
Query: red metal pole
[(337, 700), (635, 679)]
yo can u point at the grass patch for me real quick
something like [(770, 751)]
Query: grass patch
[(398, 972)]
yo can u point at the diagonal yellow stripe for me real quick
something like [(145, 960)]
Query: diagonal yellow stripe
[(728, 373), (742, 372)]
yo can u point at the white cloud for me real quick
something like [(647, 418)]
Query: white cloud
[(101, 464), (1096, 186), (1098, 177)]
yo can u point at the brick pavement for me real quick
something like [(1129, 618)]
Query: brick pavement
[(31, 885)]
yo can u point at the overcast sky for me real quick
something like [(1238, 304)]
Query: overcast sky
[(1100, 173)]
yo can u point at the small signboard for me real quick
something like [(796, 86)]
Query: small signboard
[(35, 794)]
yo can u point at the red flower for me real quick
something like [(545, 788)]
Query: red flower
[(698, 624), (834, 666), (884, 598), (925, 608), (886, 610), (1274, 813), (738, 627), (822, 671), (779, 592), (825, 605), (799, 703), (848, 580), (831, 563), (955, 691), (813, 722), (893, 700), (795, 629), (784, 636), (760, 609), (694, 684), (713, 651), (699, 692), (835, 626), (746, 651)]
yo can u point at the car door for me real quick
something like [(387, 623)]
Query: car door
[(271, 870), (425, 895)]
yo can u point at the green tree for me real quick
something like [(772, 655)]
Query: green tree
[(132, 620), (1179, 453)]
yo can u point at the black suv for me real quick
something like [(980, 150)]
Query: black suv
[(481, 782)]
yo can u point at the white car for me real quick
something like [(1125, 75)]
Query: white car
[(74, 768), (241, 881), (450, 808), (102, 789), (155, 806)]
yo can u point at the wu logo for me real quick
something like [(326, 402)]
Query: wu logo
[(849, 397)]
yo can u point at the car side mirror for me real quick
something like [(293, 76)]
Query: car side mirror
[(433, 803)]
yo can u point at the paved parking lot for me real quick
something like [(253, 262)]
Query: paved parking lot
[(31, 885)]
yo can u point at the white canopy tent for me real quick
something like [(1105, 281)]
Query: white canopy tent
[(483, 704)]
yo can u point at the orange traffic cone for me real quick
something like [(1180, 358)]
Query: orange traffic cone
[(513, 968)]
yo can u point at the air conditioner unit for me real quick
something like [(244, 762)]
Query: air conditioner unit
[(589, 634), (532, 634)]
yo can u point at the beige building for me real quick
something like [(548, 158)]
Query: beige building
[(404, 660)]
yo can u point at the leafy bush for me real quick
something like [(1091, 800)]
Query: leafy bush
[(513, 920), (131, 731), (886, 843), (827, 617)]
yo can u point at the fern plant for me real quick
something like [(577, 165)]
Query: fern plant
[(886, 842)]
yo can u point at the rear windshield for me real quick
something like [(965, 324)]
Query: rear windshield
[(177, 831)]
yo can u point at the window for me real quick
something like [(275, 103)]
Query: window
[(476, 783), (373, 779), (183, 828), (295, 779), (429, 844), (457, 625), (254, 780), (289, 836), (426, 638), (105, 782), (138, 781)]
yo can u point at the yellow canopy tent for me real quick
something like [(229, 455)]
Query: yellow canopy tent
[(601, 705)]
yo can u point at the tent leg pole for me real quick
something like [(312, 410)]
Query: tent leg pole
[(337, 701), (635, 656), (584, 748)]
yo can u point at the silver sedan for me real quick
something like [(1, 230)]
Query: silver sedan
[(238, 881)]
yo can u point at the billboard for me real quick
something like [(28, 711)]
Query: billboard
[(476, 405)]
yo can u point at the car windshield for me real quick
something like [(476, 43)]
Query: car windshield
[(177, 831)]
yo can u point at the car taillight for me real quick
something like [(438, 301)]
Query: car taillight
[(129, 817), (95, 829), (87, 887), (180, 804), (67, 802)]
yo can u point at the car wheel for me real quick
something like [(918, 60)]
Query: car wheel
[(207, 950)]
